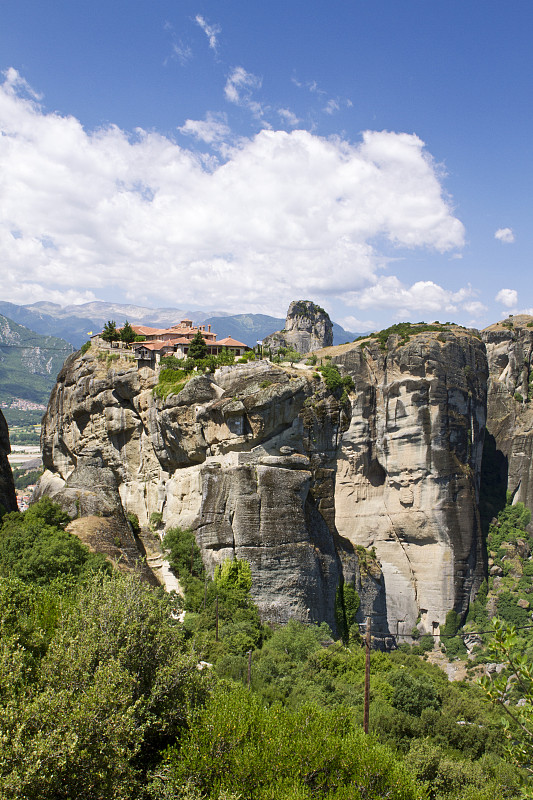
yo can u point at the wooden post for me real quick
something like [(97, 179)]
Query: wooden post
[(216, 612), (367, 676), (249, 668)]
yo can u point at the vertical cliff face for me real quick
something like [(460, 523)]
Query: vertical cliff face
[(510, 398), (408, 469), (246, 457), (307, 327), (8, 499), (269, 465)]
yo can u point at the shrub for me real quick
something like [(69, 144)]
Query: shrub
[(35, 547), (156, 519)]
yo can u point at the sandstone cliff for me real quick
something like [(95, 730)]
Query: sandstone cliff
[(307, 327), (510, 405), (8, 499), (408, 468), (246, 457), (267, 464)]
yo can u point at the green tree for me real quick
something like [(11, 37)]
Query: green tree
[(111, 693), (110, 333), (413, 694), (292, 356), (35, 547), (512, 691), (127, 334), (197, 347), (236, 744)]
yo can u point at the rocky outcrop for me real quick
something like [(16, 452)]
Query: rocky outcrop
[(307, 327), (267, 464), (8, 499), (408, 469), (510, 406), (246, 457)]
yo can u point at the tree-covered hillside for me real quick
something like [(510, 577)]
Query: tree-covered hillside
[(29, 362), (105, 694)]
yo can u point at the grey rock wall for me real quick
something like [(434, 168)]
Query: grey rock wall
[(510, 402), (408, 470), (307, 327), (8, 499), (266, 464)]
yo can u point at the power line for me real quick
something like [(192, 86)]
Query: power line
[(388, 634)]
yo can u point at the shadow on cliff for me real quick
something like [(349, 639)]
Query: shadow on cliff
[(493, 483)]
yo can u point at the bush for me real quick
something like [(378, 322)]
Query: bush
[(113, 689), (237, 745), (413, 695), (133, 519), (35, 547), (156, 520)]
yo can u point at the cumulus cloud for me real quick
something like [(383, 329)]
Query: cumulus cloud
[(211, 31), (475, 308), (507, 297), (212, 130), (422, 296), (356, 325), (504, 235), (278, 216)]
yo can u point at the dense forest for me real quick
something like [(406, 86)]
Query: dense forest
[(104, 693)]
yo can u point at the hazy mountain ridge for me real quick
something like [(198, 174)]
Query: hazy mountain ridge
[(74, 323), (29, 362)]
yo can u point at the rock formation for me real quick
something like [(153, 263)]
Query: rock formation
[(510, 405), (408, 469), (307, 327), (267, 464), (8, 498)]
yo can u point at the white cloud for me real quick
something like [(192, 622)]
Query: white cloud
[(504, 235), (356, 325), (211, 31), (332, 106), (507, 297), (288, 116), (421, 297), (212, 130), (182, 52), (475, 308), (15, 84), (283, 215), (239, 87)]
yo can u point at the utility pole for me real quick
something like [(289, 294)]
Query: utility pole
[(367, 676), (249, 668)]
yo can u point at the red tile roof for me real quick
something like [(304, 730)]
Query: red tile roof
[(229, 342), (157, 344)]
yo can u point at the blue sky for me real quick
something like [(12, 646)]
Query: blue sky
[(233, 156)]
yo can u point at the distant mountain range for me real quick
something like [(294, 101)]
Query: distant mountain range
[(75, 323), (29, 362)]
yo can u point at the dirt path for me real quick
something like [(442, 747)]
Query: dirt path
[(455, 670)]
